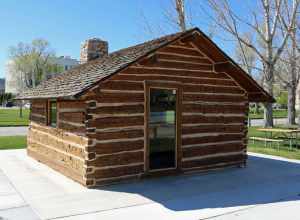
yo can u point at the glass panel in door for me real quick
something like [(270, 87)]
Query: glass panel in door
[(162, 129)]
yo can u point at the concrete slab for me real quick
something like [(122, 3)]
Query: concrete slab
[(12, 131), (20, 213), (266, 182)]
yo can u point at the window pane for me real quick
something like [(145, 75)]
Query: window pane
[(162, 128), (53, 114)]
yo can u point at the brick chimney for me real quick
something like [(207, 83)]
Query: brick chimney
[(92, 49)]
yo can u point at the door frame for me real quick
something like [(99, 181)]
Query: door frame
[(178, 151)]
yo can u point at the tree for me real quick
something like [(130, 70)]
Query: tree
[(282, 99), (244, 55), (288, 70), (181, 14), (265, 24), (32, 62)]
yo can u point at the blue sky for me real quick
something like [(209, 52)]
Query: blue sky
[(65, 23)]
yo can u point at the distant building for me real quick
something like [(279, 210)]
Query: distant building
[(66, 62), (14, 84), (2, 86)]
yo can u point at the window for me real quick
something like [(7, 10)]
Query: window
[(66, 67), (162, 128), (52, 116)]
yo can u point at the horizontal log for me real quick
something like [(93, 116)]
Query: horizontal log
[(212, 139), (121, 85), (213, 166), (71, 127), (71, 104), (187, 119), (58, 166), (212, 88), (180, 65), (214, 160), (171, 72), (113, 122), (179, 43), (213, 128), (117, 109), (191, 108), (75, 117), (110, 148), (39, 111), (56, 155), (39, 103), (118, 97), (41, 119), (109, 181), (212, 97), (117, 172), (211, 149), (60, 134), (207, 83), (56, 143), (117, 135), (125, 158), (184, 51), (177, 57)]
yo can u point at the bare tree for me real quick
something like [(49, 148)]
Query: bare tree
[(174, 16), (245, 56), (181, 14), (268, 47), (288, 70)]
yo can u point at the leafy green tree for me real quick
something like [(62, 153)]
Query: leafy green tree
[(33, 61), (282, 99)]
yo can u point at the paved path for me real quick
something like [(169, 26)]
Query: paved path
[(12, 131), (260, 122), (268, 188), (12, 204)]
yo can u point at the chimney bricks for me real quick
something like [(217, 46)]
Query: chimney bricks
[(92, 49)]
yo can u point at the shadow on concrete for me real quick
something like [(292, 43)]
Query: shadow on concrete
[(262, 181)]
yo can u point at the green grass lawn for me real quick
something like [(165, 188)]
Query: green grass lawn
[(258, 146), (12, 142), (276, 114), (10, 117)]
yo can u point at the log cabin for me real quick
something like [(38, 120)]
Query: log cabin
[(176, 104)]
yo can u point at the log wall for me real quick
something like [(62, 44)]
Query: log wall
[(214, 112), (63, 148)]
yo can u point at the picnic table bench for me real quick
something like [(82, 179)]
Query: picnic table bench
[(280, 136), (267, 140)]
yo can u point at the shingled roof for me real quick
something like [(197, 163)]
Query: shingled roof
[(75, 81), (82, 77)]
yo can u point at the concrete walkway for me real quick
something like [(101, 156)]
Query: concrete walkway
[(12, 204), (268, 188), (277, 121), (12, 131)]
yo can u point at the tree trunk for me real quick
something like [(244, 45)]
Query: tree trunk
[(292, 87), (291, 105), (268, 110), (268, 107), (268, 115), (181, 14), (21, 109)]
